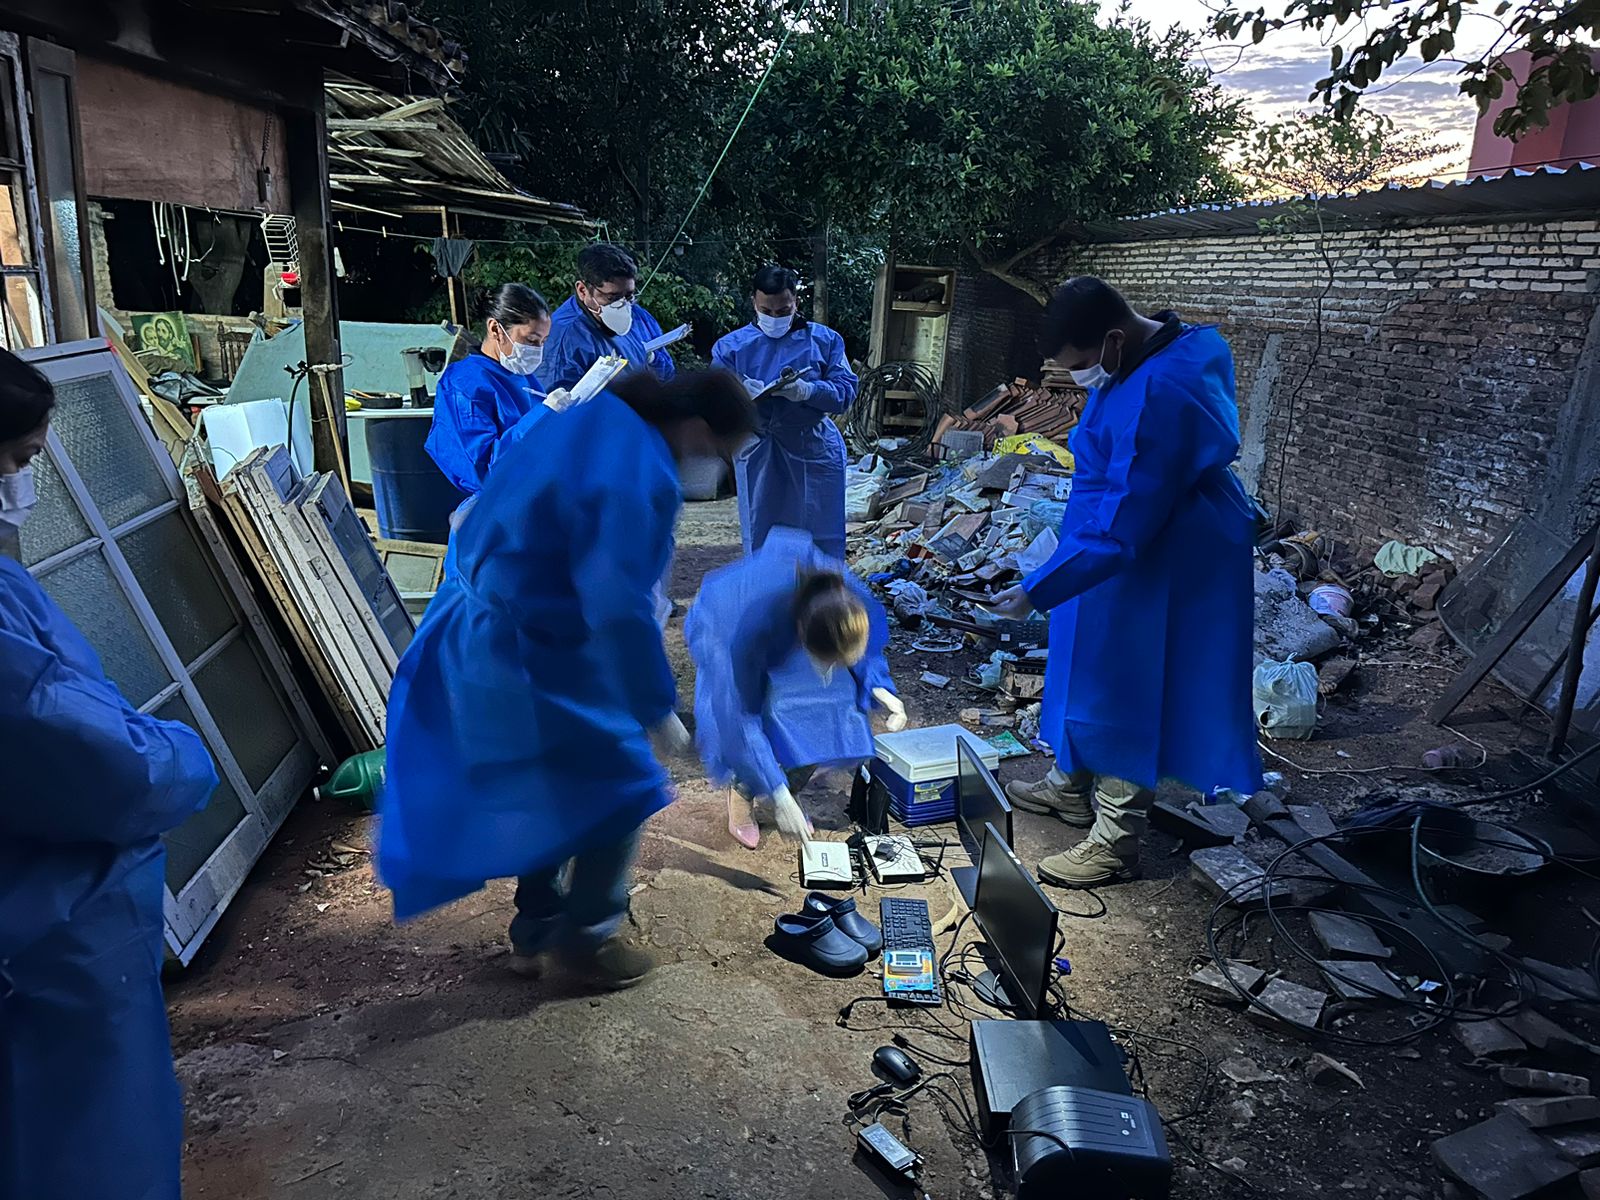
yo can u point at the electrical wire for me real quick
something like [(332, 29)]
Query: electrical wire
[(865, 424), (728, 145)]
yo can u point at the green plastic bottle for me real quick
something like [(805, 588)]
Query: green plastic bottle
[(358, 780)]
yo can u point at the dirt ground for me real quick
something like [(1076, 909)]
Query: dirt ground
[(326, 1052)]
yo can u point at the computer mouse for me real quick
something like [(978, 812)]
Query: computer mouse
[(895, 1064)]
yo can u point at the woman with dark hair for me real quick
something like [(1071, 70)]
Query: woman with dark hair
[(525, 711), (89, 1105), (484, 394), (768, 635), (793, 474)]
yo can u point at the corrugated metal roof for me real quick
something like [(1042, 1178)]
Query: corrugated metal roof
[(1515, 193), (387, 153)]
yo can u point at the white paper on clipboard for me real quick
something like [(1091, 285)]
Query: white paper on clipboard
[(606, 368)]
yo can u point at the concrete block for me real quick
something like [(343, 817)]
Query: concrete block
[(1488, 1039), (1230, 874), (1581, 1147), (1346, 937), (1501, 1159), (1540, 1032), (1314, 819), (1295, 1005), (1361, 981), (1211, 984), (1545, 1112), (1544, 1083)]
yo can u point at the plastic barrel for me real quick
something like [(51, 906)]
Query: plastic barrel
[(413, 498)]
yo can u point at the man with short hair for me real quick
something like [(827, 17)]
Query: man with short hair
[(1149, 593), (596, 320), (792, 473)]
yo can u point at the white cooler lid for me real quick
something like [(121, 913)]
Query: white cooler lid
[(930, 753)]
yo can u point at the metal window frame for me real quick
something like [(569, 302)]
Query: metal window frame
[(192, 912)]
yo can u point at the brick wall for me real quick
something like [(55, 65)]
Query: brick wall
[(1455, 386), (992, 337)]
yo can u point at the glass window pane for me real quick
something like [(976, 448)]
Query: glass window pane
[(52, 114), (55, 523), (197, 839), (248, 711), (87, 593), (175, 579), (24, 315), (15, 249), (107, 448)]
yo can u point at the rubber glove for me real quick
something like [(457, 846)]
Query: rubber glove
[(799, 391), (1012, 604), (890, 703), (560, 400), (791, 820), (668, 737), (754, 386)]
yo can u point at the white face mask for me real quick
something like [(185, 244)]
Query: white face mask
[(17, 498), (522, 358), (617, 316), (774, 327), (1095, 376)]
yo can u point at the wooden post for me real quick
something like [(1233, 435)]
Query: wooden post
[(454, 284), (306, 149), (819, 274)]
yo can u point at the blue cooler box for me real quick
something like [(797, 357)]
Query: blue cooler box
[(917, 768)]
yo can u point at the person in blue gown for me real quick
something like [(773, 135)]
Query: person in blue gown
[(524, 713), (598, 319), (769, 635), (484, 394), (1149, 593), (793, 473), (89, 1104)]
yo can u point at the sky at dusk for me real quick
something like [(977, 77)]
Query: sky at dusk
[(1277, 76)]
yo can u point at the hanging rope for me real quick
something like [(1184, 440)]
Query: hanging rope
[(728, 145)]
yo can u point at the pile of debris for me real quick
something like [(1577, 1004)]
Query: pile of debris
[(1050, 409)]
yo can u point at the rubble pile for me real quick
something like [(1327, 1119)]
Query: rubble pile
[(1049, 408)]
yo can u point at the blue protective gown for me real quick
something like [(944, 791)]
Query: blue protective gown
[(517, 719), (648, 328), (760, 707), (792, 473), (1150, 593), (89, 1104), (476, 401), (577, 341)]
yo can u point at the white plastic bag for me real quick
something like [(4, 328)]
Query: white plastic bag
[(1286, 699)]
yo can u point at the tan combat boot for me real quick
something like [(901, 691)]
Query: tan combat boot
[(1048, 798), (1088, 864)]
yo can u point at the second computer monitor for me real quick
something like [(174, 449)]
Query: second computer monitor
[(979, 800)]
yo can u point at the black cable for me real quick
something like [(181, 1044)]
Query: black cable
[(1525, 788), (864, 424)]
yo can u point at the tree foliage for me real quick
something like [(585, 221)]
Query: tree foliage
[(988, 127), (1317, 154), (1558, 34)]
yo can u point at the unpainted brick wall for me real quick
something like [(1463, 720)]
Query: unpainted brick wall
[(1439, 405)]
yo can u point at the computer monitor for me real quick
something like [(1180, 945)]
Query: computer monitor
[(979, 801), (1019, 924)]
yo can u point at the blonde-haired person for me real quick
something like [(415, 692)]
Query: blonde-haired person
[(788, 652)]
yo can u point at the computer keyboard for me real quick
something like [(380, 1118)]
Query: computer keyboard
[(910, 974)]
